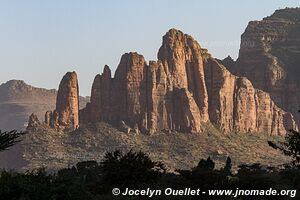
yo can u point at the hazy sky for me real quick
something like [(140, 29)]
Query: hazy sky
[(41, 40)]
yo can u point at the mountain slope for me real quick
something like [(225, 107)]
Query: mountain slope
[(43, 146)]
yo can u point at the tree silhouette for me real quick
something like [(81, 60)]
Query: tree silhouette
[(130, 169), (290, 147), (8, 139), (227, 168), (207, 164)]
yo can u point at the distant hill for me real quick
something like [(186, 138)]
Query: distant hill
[(17, 101)]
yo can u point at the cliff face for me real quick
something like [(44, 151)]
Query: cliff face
[(235, 105), (179, 91), (186, 86), (122, 97), (182, 60), (167, 94), (270, 57)]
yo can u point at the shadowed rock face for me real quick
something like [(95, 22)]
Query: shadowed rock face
[(235, 105), (179, 91), (122, 97), (270, 57)]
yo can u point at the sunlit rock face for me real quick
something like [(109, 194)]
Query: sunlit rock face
[(66, 113), (185, 87), (166, 94)]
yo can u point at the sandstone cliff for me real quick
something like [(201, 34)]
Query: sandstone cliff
[(182, 89), (270, 57), (167, 94), (235, 105)]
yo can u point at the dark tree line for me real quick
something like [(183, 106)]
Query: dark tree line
[(91, 180)]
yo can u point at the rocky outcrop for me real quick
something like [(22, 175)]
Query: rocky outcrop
[(235, 105), (33, 121), (184, 88), (66, 114), (270, 57), (18, 101), (122, 97), (228, 62), (167, 94), (181, 57)]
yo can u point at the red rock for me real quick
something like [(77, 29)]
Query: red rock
[(180, 91), (33, 121), (235, 105), (269, 57), (182, 59), (66, 114), (153, 97)]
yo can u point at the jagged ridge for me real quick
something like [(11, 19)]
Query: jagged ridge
[(182, 89)]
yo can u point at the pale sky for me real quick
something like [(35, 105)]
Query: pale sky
[(42, 40)]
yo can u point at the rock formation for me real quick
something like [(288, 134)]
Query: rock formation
[(33, 120), (167, 94), (235, 105), (66, 114), (270, 57), (180, 91), (186, 86)]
